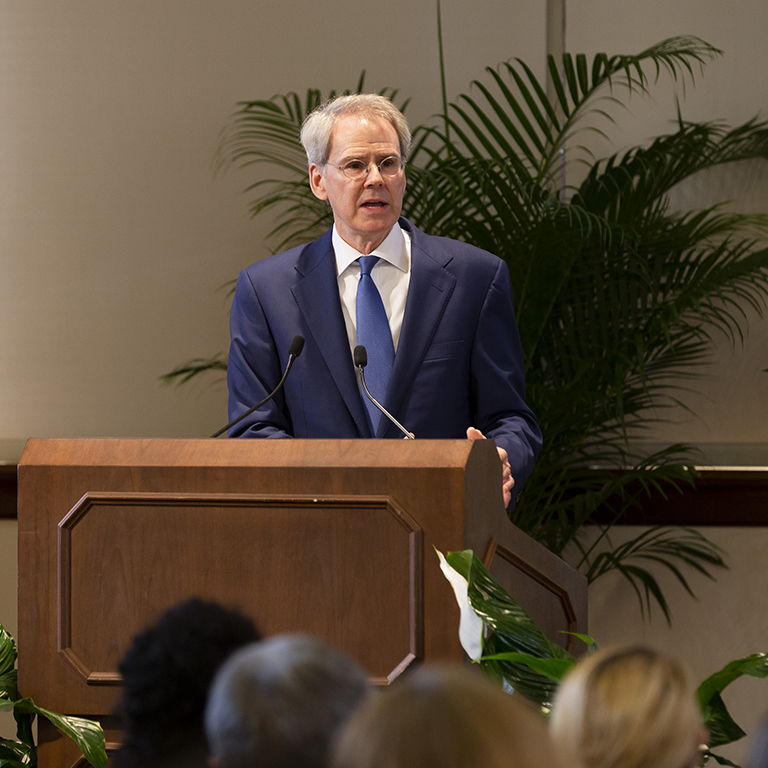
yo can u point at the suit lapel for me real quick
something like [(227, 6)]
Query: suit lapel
[(429, 290), (316, 292)]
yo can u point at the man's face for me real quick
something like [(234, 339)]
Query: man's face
[(364, 210)]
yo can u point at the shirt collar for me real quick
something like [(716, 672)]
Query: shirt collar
[(393, 250)]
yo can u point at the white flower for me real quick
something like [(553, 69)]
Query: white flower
[(471, 626)]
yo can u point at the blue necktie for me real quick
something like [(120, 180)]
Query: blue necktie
[(374, 334)]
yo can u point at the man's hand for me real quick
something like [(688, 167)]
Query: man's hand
[(508, 482)]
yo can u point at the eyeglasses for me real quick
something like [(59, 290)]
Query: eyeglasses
[(358, 169)]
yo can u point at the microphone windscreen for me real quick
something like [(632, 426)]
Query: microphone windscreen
[(360, 356), (297, 344)]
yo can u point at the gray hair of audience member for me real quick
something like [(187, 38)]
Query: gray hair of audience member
[(443, 717), (279, 703), (627, 707), (317, 130)]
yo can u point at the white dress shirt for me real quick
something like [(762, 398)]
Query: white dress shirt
[(391, 274)]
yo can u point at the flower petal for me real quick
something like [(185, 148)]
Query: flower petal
[(471, 626)]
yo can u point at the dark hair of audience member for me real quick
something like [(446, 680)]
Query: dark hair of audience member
[(443, 717), (166, 673), (279, 703), (627, 707)]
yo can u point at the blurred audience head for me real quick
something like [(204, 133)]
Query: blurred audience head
[(627, 707), (166, 673), (279, 703), (443, 717)]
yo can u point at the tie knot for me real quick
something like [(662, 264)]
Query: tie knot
[(367, 263)]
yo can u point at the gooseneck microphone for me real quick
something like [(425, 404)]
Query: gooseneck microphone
[(294, 350), (361, 360)]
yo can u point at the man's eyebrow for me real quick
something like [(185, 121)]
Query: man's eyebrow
[(378, 158)]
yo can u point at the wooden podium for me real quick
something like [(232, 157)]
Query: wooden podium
[(332, 537)]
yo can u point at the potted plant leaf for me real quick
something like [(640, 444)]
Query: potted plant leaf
[(497, 633), (22, 751)]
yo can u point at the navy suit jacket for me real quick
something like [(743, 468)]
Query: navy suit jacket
[(459, 361)]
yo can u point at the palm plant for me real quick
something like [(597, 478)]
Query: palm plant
[(617, 293)]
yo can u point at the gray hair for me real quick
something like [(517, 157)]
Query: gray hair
[(318, 126), (279, 702)]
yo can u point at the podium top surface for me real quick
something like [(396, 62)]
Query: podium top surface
[(164, 452)]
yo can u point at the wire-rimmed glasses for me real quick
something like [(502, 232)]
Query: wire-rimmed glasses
[(358, 169)]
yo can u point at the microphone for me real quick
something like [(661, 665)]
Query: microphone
[(361, 360), (294, 350)]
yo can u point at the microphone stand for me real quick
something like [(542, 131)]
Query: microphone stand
[(361, 360), (294, 350)]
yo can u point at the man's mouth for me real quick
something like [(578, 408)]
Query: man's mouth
[(374, 204)]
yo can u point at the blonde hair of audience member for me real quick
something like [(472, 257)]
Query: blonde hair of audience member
[(627, 708), (442, 717)]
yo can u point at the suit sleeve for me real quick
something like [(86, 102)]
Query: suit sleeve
[(255, 367), (498, 381)]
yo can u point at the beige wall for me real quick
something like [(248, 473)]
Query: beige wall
[(114, 234)]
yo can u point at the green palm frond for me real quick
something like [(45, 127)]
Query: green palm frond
[(628, 183), (513, 118), (670, 548), (604, 476), (266, 133), (617, 294), (184, 372)]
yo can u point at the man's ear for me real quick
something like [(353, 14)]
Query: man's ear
[(317, 182)]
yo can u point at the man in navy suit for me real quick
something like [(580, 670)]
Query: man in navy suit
[(454, 363)]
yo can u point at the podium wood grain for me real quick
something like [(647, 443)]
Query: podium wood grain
[(332, 537)]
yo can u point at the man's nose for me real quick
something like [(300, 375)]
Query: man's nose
[(373, 177)]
